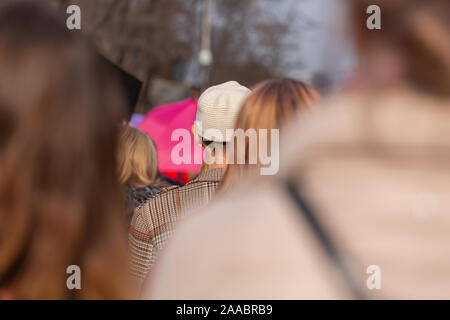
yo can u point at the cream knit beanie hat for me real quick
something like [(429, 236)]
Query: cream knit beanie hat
[(218, 109)]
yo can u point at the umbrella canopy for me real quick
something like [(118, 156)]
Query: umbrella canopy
[(161, 122), (131, 85)]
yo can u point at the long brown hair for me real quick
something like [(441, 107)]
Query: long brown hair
[(273, 104), (60, 200), (419, 30)]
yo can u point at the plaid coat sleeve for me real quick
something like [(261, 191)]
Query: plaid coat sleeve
[(151, 227), (140, 245), (154, 222)]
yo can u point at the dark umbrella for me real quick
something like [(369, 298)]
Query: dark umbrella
[(131, 86)]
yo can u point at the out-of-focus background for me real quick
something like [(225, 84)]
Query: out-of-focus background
[(160, 41), (177, 48)]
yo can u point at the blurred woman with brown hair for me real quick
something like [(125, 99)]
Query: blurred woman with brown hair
[(272, 105), (411, 49), (61, 203)]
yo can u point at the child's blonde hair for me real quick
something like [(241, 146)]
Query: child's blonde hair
[(137, 160)]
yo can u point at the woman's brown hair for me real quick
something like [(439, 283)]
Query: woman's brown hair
[(273, 104), (419, 30), (60, 200)]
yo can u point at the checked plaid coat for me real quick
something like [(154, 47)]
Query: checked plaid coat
[(153, 222)]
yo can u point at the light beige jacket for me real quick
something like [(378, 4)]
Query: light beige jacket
[(375, 168)]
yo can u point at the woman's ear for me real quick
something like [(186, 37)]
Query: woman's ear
[(197, 138)]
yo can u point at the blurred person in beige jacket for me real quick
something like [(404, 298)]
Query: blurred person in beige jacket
[(361, 207)]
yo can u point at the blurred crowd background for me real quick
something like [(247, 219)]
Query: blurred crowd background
[(159, 42)]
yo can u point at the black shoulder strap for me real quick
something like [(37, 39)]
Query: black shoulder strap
[(327, 244)]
